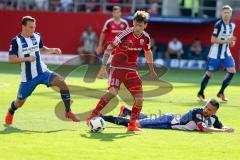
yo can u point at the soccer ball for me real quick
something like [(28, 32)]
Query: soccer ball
[(97, 124)]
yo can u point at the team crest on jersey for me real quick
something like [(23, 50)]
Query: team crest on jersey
[(141, 41), (122, 25), (199, 116)]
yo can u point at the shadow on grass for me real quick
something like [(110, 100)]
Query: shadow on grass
[(108, 137), (10, 130)]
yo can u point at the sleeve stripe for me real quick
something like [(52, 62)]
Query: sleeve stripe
[(124, 33)]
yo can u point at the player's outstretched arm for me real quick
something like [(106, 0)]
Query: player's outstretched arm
[(51, 50), (229, 130), (149, 59), (203, 128), (13, 59)]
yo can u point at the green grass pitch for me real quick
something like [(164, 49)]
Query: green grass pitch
[(37, 133)]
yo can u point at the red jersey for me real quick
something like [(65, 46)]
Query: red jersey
[(111, 29), (128, 47)]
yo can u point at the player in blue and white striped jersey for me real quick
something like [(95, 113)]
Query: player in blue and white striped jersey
[(220, 54), (197, 119), (25, 49)]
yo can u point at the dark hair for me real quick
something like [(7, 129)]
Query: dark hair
[(25, 19), (141, 16), (116, 8), (214, 103)]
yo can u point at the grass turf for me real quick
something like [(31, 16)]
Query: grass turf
[(38, 134)]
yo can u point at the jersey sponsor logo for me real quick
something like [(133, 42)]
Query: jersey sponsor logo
[(30, 50), (116, 31), (135, 49)]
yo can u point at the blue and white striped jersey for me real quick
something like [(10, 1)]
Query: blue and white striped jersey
[(25, 47), (222, 31)]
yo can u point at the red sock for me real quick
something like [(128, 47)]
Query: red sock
[(101, 104), (135, 112)]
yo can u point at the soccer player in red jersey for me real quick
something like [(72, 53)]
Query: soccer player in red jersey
[(125, 49), (111, 28)]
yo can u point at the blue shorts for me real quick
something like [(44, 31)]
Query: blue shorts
[(214, 64), (162, 122), (26, 88)]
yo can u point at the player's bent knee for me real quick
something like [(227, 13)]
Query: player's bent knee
[(113, 91), (19, 103), (139, 101), (60, 82), (108, 96), (231, 70), (210, 74)]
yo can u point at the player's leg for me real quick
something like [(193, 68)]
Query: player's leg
[(104, 100), (116, 120), (24, 91), (13, 107), (124, 111), (114, 82), (136, 109), (213, 65), (162, 122), (58, 81), (230, 66), (134, 85)]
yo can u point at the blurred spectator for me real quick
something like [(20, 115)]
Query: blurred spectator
[(113, 3), (42, 5), (190, 8), (154, 7), (25, 5), (55, 5), (209, 4), (90, 6), (196, 50), (89, 41), (67, 5), (175, 49)]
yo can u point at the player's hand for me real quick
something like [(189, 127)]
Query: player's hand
[(233, 38), (56, 51), (102, 73), (229, 130), (153, 75), (99, 50), (31, 59), (232, 43)]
